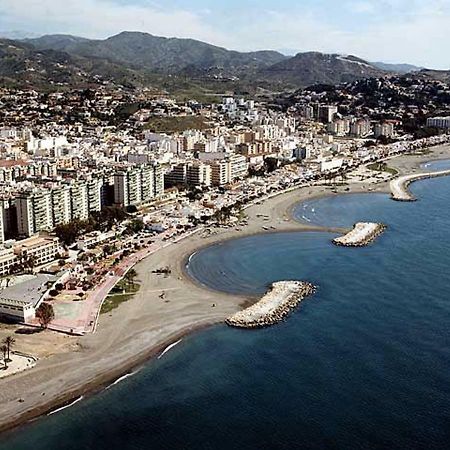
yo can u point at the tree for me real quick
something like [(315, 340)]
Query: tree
[(9, 341), (69, 232), (4, 350), (45, 314), (134, 227), (130, 276)]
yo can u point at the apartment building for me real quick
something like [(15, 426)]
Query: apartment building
[(34, 212), (61, 205), (385, 129), (79, 201), (439, 122), (94, 194), (138, 185), (41, 249)]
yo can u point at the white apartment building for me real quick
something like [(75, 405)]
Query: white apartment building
[(8, 259), (439, 122), (192, 174), (34, 212), (339, 127), (198, 174), (326, 113), (138, 185), (238, 166), (220, 173), (61, 205), (360, 128), (94, 194), (79, 201), (384, 129), (42, 249)]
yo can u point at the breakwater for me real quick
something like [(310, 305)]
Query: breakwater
[(363, 233), (274, 306), (399, 186)]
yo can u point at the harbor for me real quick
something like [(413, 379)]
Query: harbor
[(274, 306), (362, 234)]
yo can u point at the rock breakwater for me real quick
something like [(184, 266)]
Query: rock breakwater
[(363, 233), (281, 299)]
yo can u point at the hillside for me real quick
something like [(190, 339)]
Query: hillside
[(22, 65), (396, 68), (180, 66), (305, 69), (441, 75), (160, 54)]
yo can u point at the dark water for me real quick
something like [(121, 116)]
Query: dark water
[(364, 364)]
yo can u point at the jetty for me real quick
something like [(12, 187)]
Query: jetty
[(274, 306), (399, 186), (362, 234)]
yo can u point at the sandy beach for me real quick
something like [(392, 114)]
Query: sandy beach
[(143, 326)]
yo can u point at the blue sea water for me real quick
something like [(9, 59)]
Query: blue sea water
[(434, 166), (363, 364)]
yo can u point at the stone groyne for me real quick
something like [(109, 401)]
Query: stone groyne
[(399, 186), (363, 233), (281, 299)]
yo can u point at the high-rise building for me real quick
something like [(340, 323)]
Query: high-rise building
[(79, 201), (61, 205), (326, 113), (94, 194), (439, 122), (138, 185), (384, 129), (34, 212)]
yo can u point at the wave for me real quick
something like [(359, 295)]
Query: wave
[(66, 406), (123, 377), (190, 258), (169, 347)]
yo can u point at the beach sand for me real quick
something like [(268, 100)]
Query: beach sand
[(143, 326)]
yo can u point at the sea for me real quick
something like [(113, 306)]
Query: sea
[(363, 364)]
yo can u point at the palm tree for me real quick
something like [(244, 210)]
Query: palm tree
[(9, 341), (4, 350)]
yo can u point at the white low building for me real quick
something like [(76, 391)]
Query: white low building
[(16, 310)]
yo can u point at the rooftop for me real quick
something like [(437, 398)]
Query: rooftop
[(30, 291)]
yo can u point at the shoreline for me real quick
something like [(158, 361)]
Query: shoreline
[(144, 326), (101, 383), (400, 186)]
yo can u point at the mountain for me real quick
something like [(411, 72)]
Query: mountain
[(17, 34), (22, 65), (396, 68), (441, 75), (179, 65), (305, 69), (160, 54)]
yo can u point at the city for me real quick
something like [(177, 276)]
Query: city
[(203, 247)]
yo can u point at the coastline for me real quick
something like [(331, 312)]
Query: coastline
[(400, 187), (144, 326)]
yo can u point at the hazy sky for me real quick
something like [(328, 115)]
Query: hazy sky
[(414, 31)]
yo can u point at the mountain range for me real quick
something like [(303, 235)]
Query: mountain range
[(137, 58)]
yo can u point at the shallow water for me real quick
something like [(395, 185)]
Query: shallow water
[(364, 364)]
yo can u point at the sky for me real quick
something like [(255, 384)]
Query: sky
[(411, 31)]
